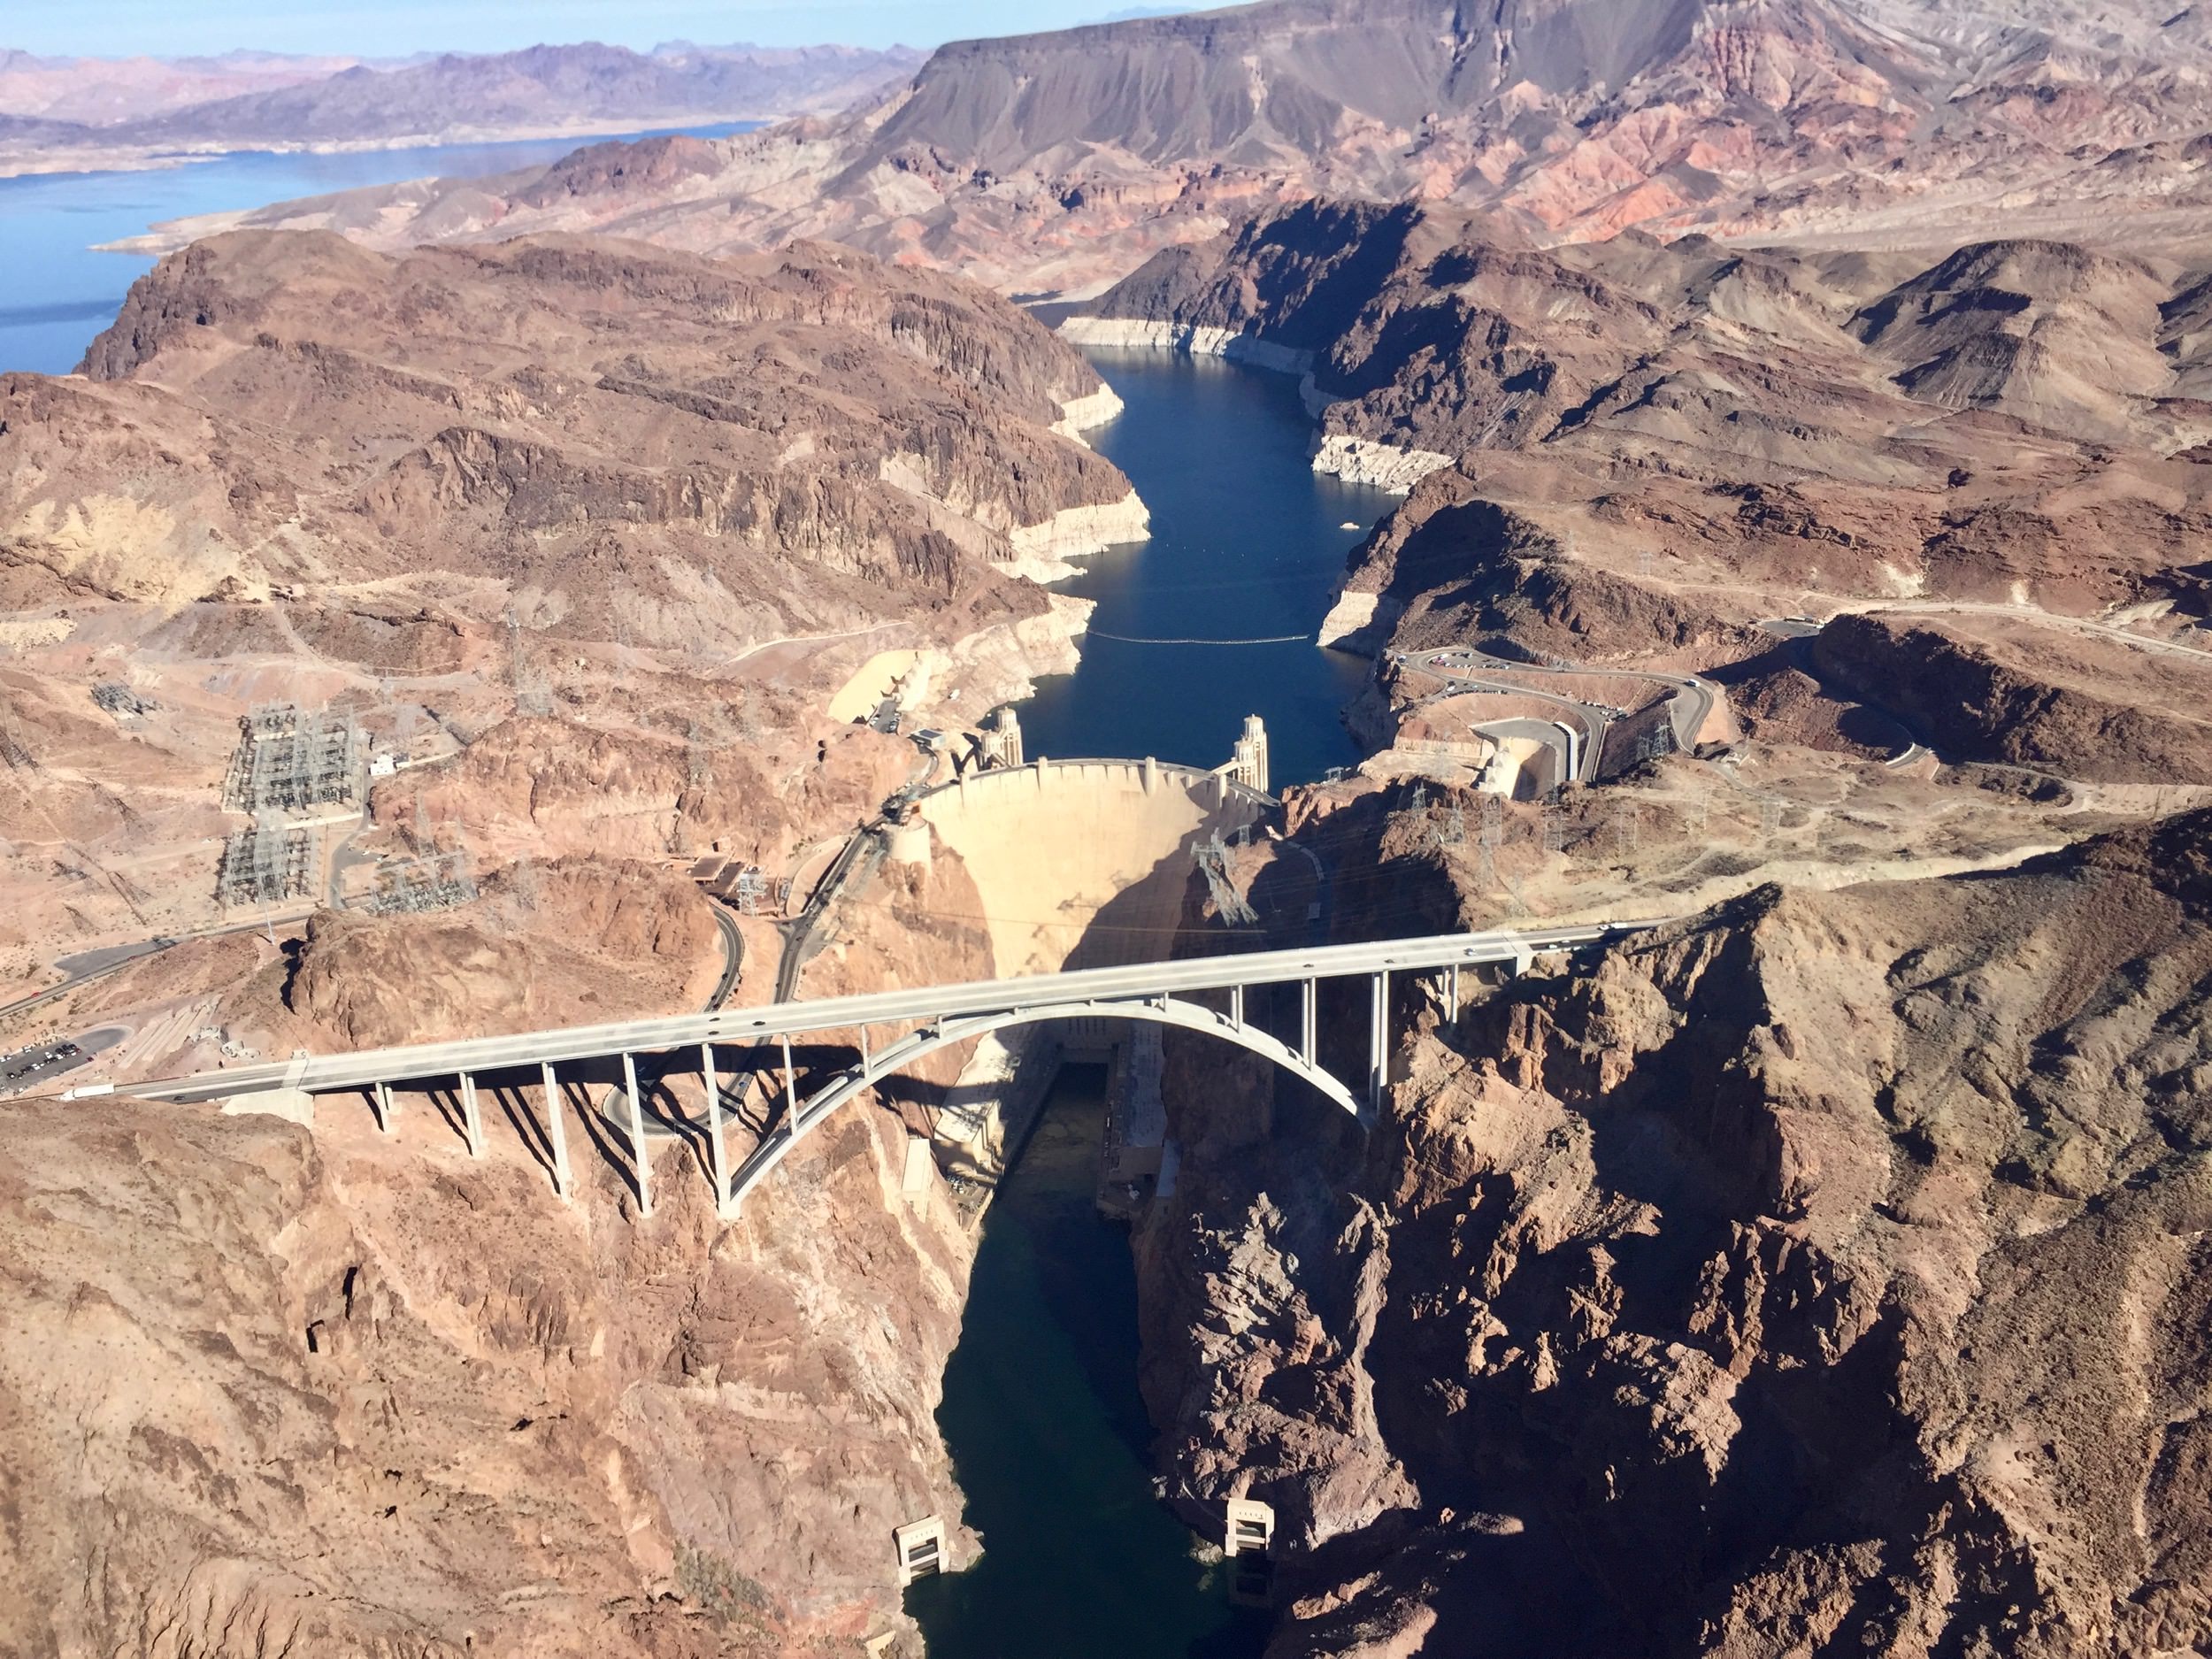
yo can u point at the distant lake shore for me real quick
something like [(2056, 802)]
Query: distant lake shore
[(66, 277)]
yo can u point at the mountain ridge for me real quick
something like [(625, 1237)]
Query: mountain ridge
[(1052, 164), (113, 111)]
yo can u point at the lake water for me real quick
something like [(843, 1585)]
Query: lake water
[(1247, 543), (1049, 1439), (56, 293)]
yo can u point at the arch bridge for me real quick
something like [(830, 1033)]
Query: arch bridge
[(911, 1024)]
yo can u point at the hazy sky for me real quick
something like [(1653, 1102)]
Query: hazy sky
[(116, 29)]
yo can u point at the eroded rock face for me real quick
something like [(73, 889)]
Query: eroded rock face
[(1828, 1270), (1624, 451), (612, 432), (266, 1391), (1056, 162)]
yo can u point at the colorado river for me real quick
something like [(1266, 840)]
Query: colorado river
[(1049, 1436), (1247, 543), (1042, 1413)]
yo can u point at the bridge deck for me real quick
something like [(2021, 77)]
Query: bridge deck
[(1136, 981)]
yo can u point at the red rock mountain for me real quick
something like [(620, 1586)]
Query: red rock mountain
[(1047, 162)]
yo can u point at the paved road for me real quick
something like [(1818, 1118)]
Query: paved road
[(93, 964), (733, 956), (2025, 613), (1458, 666), (82, 970), (1692, 704), (759, 1024)]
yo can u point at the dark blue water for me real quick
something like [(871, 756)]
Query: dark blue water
[(1246, 543), (1049, 1436), (56, 293)]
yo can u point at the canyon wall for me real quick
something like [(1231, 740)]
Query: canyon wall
[(1826, 1271)]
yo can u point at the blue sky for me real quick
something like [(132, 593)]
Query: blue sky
[(115, 28)]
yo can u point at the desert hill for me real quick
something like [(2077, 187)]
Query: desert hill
[(1052, 162), (91, 112), (584, 534), (1629, 450), (1825, 1272)]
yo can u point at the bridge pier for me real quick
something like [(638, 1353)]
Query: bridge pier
[(1308, 1022), (1377, 1040), (716, 1152), (637, 1135), (557, 1132), (472, 1118)]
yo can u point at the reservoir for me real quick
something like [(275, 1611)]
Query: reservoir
[(1247, 543), (1041, 1414), (56, 293)]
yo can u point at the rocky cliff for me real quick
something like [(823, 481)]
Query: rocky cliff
[(1054, 162), (269, 1391), (1627, 449), (1824, 1271)]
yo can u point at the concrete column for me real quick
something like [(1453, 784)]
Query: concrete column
[(716, 1152), (1378, 1037), (1308, 1022), (1236, 1005), (557, 1132), (637, 1136), (790, 1091), (384, 1116), (1451, 989), (472, 1118)]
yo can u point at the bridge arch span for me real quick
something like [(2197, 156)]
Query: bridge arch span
[(818, 1108)]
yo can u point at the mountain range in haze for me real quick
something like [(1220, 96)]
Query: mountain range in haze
[(1055, 163), (74, 113)]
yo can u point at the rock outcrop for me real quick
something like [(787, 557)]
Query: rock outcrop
[(1825, 1271), (266, 1390), (1055, 163), (1626, 451)]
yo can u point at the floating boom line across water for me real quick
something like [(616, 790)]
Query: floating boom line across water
[(1272, 638)]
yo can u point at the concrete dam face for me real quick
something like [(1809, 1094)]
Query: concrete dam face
[(1084, 863)]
